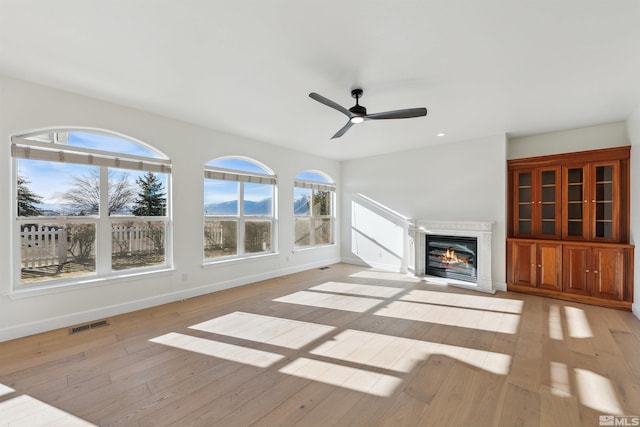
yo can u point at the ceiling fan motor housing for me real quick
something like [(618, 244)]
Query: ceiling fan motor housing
[(358, 110)]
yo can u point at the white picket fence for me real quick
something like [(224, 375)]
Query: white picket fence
[(44, 246)]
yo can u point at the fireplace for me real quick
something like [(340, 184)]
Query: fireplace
[(480, 231), (453, 257)]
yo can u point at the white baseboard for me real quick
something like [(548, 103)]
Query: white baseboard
[(72, 319), (354, 261), (381, 266), (635, 309), (500, 287)]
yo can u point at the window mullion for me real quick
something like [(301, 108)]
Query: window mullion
[(241, 219), (104, 234), (312, 219)]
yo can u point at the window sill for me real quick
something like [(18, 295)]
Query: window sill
[(238, 260), (309, 248), (37, 290)]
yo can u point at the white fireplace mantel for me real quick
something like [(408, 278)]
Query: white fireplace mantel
[(481, 230)]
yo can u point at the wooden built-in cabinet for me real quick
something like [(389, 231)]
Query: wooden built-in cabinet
[(536, 264), (568, 227)]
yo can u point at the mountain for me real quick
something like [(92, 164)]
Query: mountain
[(301, 205), (263, 207)]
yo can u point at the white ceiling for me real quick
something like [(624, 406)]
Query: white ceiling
[(247, 67)]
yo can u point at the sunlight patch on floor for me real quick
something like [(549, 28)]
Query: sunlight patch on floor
[(343, 376), (384, 275), (403, 354), (555, 323), (336, 302), (356, 289), (577, 323), (597, 392), (5, 390), (26, 411), (454, 316), (465, 301), (234, 353), (265, 329), (560, 385)]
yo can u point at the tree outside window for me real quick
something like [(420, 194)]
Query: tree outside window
[(64, 217)]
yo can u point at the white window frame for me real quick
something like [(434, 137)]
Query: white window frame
[(51, 150), (317, 186), (242, 177)]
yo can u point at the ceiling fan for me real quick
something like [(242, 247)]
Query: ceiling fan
[(358, 114)]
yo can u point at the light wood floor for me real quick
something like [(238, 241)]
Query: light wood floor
[(344, 346)]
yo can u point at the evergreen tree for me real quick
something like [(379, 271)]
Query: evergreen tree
[(27, 199), (151, 199)]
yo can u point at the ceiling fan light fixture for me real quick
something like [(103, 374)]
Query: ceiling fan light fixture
[(357, 119)]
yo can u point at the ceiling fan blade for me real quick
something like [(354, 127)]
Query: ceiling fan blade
[(398, 114), (329, 103), (342, 131)]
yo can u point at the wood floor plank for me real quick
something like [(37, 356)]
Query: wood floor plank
[(521, 407), (558, 411)]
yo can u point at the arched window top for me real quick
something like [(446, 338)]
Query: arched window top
[(243, 164), (316, 176), (92, 140)]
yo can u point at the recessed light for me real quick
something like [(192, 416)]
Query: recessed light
[(441, 134)]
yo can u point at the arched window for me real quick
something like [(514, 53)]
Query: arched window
[(239, 200), (313, 209), (89, 204)]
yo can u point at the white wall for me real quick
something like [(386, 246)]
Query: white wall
[(633, 126), (582, 139), (25, 107), (458, 181)]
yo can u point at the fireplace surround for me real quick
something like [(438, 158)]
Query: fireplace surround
[(481, 231)]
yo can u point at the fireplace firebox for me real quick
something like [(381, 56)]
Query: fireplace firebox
[(453, 257)]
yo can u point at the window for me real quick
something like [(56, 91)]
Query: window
[(239, 218), (313, 209), (88, 205)]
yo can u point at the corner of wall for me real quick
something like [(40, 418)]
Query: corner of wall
[(633, 130)]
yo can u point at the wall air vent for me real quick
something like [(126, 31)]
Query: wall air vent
[(87, 326)]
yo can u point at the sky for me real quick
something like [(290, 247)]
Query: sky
[(50, 179)]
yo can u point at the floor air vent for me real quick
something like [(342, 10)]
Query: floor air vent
[(324, 268), (86, 327)]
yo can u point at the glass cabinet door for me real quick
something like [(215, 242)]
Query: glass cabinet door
[(575, 199), (549, 203), (604, 201), (523, 203)]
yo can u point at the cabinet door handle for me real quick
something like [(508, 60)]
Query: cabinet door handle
[(595, 272), (586, 201), (593, 201), (587, 271), (539, 266)]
